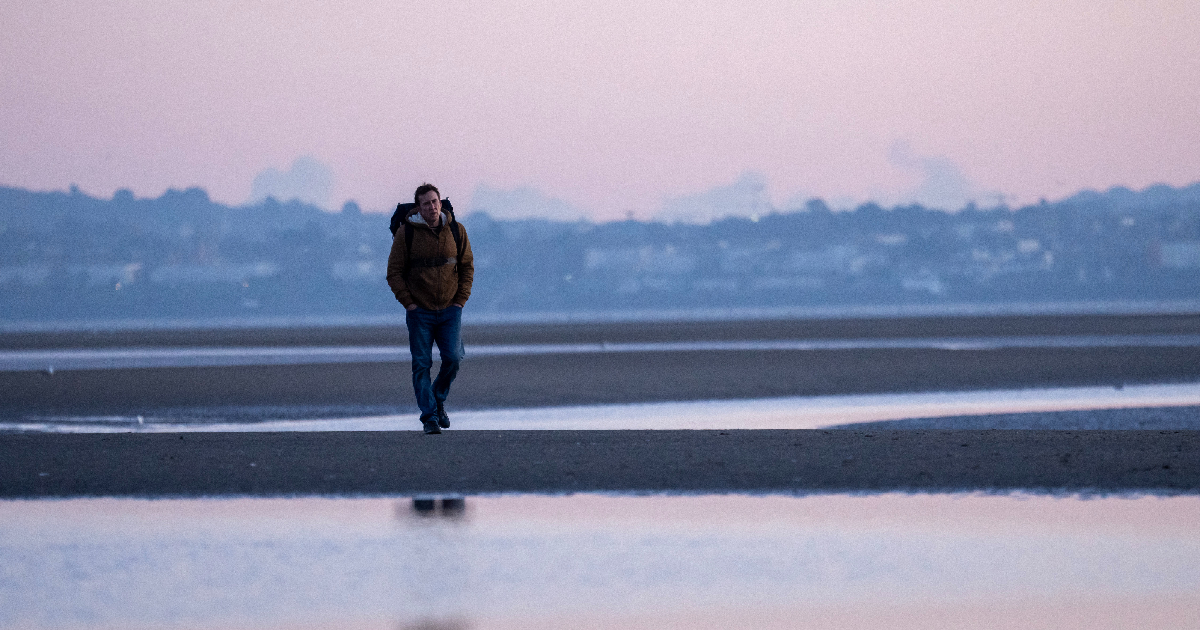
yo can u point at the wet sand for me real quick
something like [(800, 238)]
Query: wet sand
[(570, 461), (247, 393), (627, 332), (474, 462)]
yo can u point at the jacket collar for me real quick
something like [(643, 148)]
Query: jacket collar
[(416, 219)]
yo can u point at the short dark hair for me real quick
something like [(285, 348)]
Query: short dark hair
[(424, 188)]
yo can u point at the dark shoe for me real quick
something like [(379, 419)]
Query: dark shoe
[(430, 424), (442, 419)]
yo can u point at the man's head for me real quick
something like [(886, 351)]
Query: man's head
[(429, 203)]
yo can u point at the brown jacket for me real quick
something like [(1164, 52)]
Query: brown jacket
[(430, 287)]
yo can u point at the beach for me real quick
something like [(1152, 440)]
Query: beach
[(949, 455), (490, 381), (748, 473), (557, 462)]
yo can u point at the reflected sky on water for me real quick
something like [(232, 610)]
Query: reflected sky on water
[(827, 561), (798, 412)]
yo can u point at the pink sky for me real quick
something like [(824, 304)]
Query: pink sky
[(612, 107)]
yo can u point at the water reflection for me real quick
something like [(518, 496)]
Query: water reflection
[(602, 561), (1067, 408), (451, 507)]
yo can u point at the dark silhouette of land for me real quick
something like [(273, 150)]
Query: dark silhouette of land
[(69, 256)]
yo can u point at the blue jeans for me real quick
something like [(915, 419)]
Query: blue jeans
[(425, 328)]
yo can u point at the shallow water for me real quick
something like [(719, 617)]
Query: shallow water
[(801, 412), (827, 561)]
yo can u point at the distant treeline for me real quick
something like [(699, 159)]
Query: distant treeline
[(66, 255)]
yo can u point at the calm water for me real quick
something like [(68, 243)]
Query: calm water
[(591, 561), (801, 412)]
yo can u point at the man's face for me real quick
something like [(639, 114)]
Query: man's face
[(430, 207)]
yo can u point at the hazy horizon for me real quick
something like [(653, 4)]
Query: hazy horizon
[(744, 198)]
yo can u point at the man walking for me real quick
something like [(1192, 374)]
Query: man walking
[(431, 270)]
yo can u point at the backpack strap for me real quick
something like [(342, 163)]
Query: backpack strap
[(448, 210), (408, 237), (455, 231)]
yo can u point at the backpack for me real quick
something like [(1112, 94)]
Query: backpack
[(402, 211)]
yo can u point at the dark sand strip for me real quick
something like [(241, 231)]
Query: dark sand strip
[(470, 462)]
